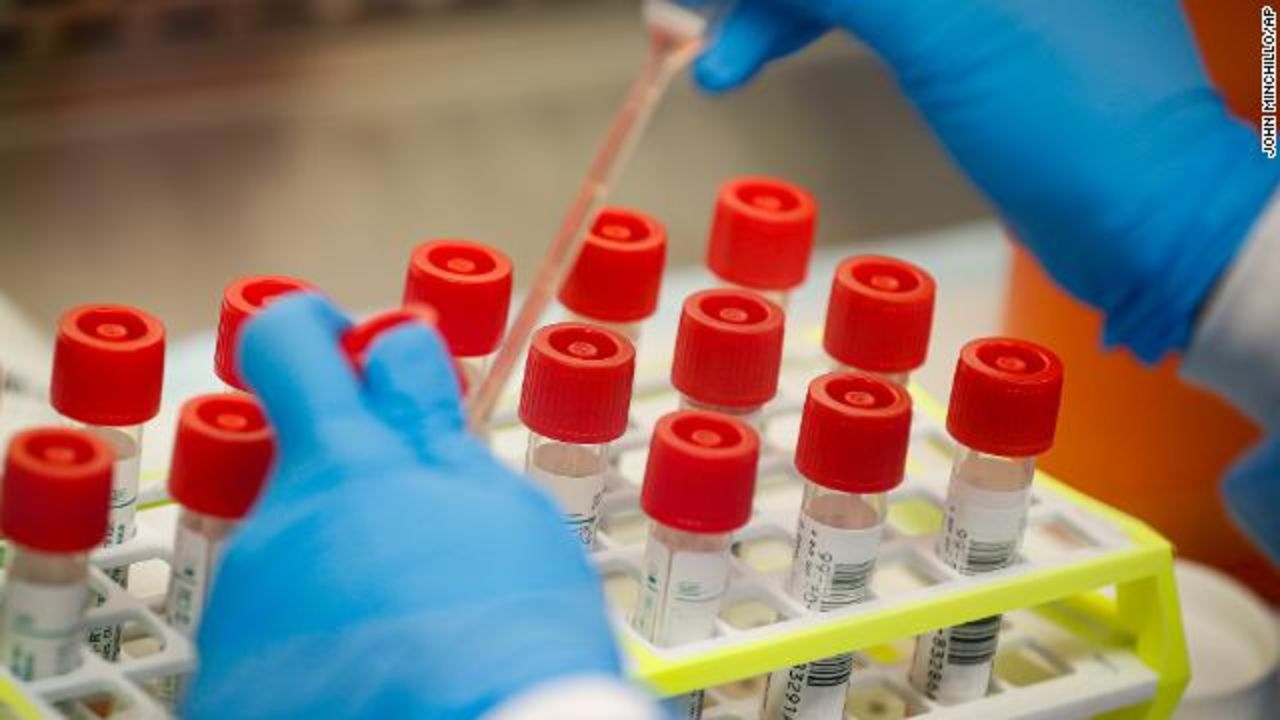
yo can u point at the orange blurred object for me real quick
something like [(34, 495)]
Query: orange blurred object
[(1136, 437)]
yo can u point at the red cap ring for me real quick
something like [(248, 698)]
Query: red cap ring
[(618, 274), (880, 314), (854, 433), (577, 383), (221, 455), (469, 284), (1005, 397), (108, 365), (241, 300), (701, 474), (57, 490), (762, 235), (728, 349)]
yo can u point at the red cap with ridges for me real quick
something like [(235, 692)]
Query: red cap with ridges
[(880, 314), (1005, 397), (57, 490), (701, 473), (108, 365), (618, 274), (357, 340), (469, 284), (221, 455), (577, 383), (241, 300), (728, 349), (762, 235), (854, 433)]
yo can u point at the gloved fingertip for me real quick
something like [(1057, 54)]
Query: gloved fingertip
[(715, 75), (411, 381)]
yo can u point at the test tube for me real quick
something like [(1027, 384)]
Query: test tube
[(728, 352), (617, 278), (469, 285), (762, 236), (879, 317), (575, 399), (1003, 413), (53, 509), (359, 338), (852, 450), (221, 455), (108, 368), (698, 486), (241, 300)]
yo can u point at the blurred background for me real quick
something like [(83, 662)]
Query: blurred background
[(151, 150)]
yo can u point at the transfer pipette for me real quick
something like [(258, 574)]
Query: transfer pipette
[(675, 37)]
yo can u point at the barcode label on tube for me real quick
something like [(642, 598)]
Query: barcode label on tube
[(831, 569), (954, 664), (973, 643), (983, 528)]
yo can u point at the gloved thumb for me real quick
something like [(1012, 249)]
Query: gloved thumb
[(1252, 493)]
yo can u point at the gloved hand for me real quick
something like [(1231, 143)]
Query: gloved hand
[(1090, 123), (1252, 495), (392, 568)]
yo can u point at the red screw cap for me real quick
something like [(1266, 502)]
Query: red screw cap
[(577, 383), (854, 433), (470, 285), (880, 314), (108, 365), (1005, 397), (57, 490), (762, 235), (241, 300), (221, 455), (701, 473), (618, 274), (728, 349)]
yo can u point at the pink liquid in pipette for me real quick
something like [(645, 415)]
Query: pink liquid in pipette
[(671, 48)]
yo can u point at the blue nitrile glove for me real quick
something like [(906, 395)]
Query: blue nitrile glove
[(1252, 491), (392, 568), (1090, 123)]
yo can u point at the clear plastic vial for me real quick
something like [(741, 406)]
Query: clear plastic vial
[(728, 353), (126, 444), (617, 277), (1003, 413), (46, 586), (762, 236), (221, 456), (108, 369), (698, 487), (879, 317), (852, 451), (575, 400)]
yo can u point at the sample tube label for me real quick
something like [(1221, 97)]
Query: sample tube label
[(981, 533), (954, 664), (681, 595), (194, 558), (121, 522), (578, 499), (42, 628), (830, 569), (983, 528)]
